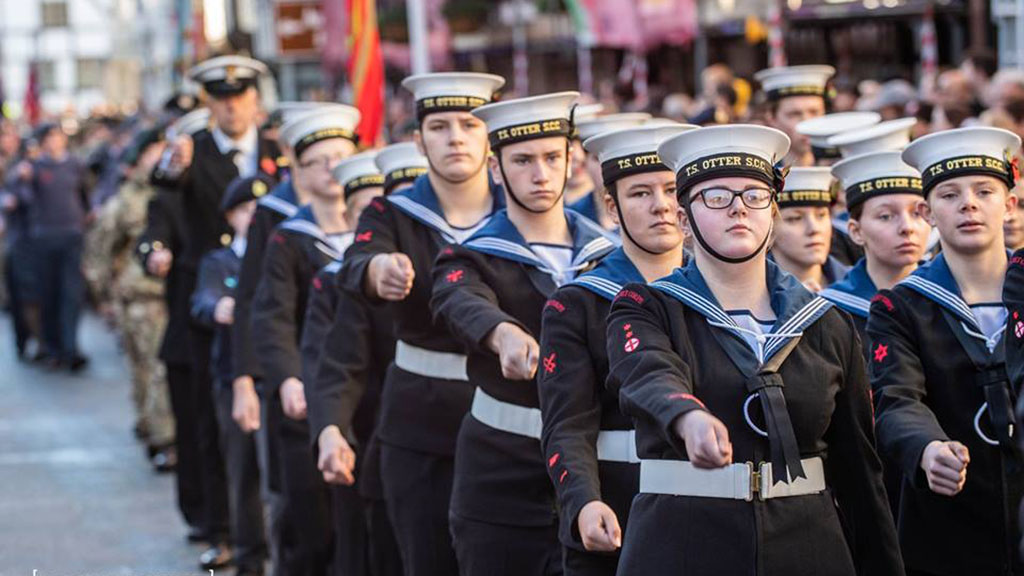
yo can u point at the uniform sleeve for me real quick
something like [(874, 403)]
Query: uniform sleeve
[(273, 318), (571, 406), (159, 230), (1013, 299), (904, 424), (375, 234), (343, 375), (855, 472), (209, 290), (653, 381), (245, 361), (319, 317), (463, 300)]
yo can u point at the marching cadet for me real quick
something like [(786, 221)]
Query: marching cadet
[(119, 279), (295, 251), (361, 182), (748, 392), (803, 230), (593, 205), (163, 238), (795, 94), (345, 391), (884, 198), (582, 182), (819, 130), (585, 434), (213, 305), (200, 170), (490, 292), (944, 407), (426, 393)]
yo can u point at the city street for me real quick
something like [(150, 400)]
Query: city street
[(77, 495)]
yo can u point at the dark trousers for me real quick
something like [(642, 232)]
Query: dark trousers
[(486, 549), (351, 539), (245, 506), (214, 480), (417, 489), (579, 563), (186, 441), (20, 272), (307, 534), (59, 265), (385, 558)]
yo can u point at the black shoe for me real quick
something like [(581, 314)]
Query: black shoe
[(216, 556), (165, 460), (196, 535), (249, 571), (77, 363)]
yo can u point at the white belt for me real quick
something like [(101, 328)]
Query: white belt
[(617, 446), (505, 416), (735, 482), (441, 365)]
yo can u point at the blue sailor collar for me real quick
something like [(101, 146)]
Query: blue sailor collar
[(834, 270), (854, 292), (796, 308), (586, 206), (935, 282), (420, 203), (304, 222), (282, 199), (611, 274), (501, 238)]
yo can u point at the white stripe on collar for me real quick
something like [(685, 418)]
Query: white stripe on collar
[(942, 296), (798, 322), (304, 227), (334, 267), (278, 205), (433, 220), (843, 298), (603, 286)]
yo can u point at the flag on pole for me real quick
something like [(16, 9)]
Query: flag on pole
[(366, 68), (31, 107)]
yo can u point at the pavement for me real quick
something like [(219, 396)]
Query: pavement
[(77, 494)]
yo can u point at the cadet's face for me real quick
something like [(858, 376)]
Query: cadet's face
[(579, 158), (793, 110), (314, 169), (593, 168), (240, 216), (455, 143), (803, 235), (969, 212), (892, 229), (649, 206), (356, 203), (236, 113), (1013, 227), (735, 231), (536, 171)]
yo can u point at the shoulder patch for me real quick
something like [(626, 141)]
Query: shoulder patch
[(1017, 260), (364, 236), (880, 353), (454, 276), (884, 300), (552, 303), (627, 293)]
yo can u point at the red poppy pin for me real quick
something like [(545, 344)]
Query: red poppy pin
[(268, 165)]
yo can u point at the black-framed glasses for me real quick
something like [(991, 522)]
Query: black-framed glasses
[(722, 198)]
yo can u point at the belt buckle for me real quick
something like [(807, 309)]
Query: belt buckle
[(758, 479)]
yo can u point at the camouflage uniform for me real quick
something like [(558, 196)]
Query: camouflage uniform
[(137, 299)]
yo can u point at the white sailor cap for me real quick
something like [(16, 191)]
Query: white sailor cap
[(964, 151), (784, 81), (587, 129), (228, 75), (588, 111), (631, 151), (285, 111), (323, 123), (807, 186), (358, 172), (451, 91), (189, 124), (721, 151), (529, 118), (889, 135), (400, 163), (820, 129), (876, 174)]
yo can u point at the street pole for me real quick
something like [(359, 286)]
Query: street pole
[(420, 53)]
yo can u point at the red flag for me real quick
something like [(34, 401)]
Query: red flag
[(31, 106), (366, 69)]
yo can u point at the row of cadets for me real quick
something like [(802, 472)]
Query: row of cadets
[(593, 204), (426, 393), (582, 182), (361, 182), (297, 248), (819, 130), (803, 232), (587, 441), (490, 293), (200, 170), (943, 400), (355, 349), (213, 304), (163, 237), (748, 392)]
